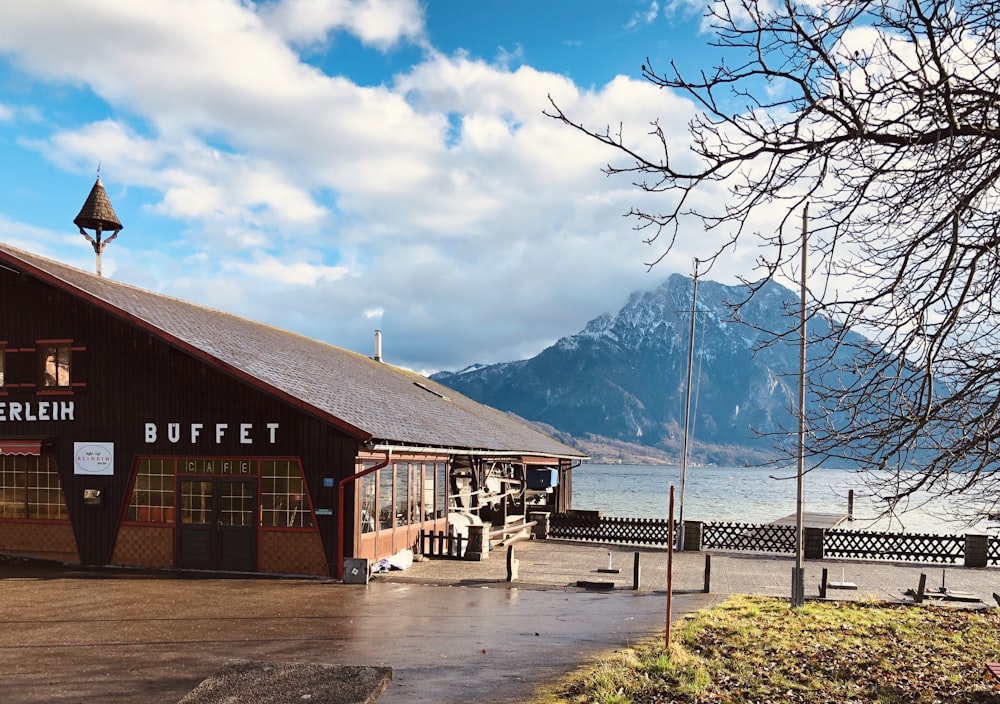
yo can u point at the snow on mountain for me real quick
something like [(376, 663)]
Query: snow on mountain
[(623, 377)]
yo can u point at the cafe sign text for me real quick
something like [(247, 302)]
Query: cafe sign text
[(247, 433)]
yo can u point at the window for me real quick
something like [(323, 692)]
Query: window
[(2, 354), (402, 493), (411, 510), (12, 503), (55, 363), (197, 502), (385, 520), (152, 499), (30, 488), (283, 497), (441, 472), (236, 504), (428, 497), (368, 505)]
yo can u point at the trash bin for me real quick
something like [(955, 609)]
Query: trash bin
[(356, 570)]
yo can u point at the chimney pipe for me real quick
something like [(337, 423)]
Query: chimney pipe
[(378, 346)]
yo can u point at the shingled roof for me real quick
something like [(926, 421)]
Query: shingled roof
[(370, 400)]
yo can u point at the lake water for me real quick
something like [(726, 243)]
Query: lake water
[(749, 495)]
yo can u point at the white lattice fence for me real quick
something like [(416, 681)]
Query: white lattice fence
[(748, 537), (993, 551), (609, 529), (902, 547)]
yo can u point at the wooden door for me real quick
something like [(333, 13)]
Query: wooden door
[(217, 529)]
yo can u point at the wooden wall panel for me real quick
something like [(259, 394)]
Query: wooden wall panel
[(144, 546), (49, 541), (288, 552), (132, 378)]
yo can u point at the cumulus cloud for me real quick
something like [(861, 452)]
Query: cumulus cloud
[(48, 243), (296, 273), (443, 206), (379, 23), (647, 15)]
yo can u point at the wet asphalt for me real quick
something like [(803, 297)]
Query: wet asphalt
[(452, 631)]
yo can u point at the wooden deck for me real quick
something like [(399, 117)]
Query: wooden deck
[(813, 520)]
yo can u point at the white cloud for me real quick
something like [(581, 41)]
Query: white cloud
[(297, 273), (103, 142), (648, 15), (507, 58), (378, 23), (460, 219), (68, 247)]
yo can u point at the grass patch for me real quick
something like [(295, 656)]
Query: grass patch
[(757, 649)]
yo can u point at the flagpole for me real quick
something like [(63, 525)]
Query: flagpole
[(687, 409), (798, 576)]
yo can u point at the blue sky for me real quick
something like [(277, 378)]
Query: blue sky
[(339, 166)]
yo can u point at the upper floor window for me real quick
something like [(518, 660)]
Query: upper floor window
[(55, 366)]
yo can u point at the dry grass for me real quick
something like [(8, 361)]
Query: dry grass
[(757, 649)]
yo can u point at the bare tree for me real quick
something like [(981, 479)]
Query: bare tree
[(885, 118)]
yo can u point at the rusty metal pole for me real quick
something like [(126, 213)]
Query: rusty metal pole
[(670, 568)]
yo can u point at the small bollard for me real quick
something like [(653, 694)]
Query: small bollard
[(512, 564), (478, 546), (635, 572), (708, 574), (822, 585), (609, 569), (843, 583)]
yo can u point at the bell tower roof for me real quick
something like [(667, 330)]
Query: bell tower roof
[(98, 215), (97, 212)]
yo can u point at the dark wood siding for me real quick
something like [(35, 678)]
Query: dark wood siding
[(131, 378)]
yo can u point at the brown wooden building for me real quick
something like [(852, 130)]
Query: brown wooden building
[(140, 430)]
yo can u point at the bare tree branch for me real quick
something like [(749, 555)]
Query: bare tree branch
[(885, 117)]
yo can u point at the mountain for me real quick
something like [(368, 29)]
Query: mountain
[(619, 383)]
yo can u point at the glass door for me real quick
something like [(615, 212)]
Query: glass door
[(237, 524), (217, 528)]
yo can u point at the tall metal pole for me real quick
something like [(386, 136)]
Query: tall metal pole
[(670, 575), (798, 589), (687, 409)]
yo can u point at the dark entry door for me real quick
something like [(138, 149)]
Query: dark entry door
[(218, 524)]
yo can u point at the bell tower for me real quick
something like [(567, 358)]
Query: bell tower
[(98, 215)]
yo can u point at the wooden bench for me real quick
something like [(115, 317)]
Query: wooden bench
[(993, 673)]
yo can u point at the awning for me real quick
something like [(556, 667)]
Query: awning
[(21, 447)]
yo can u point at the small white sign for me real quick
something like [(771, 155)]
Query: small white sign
[(93, 458)]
